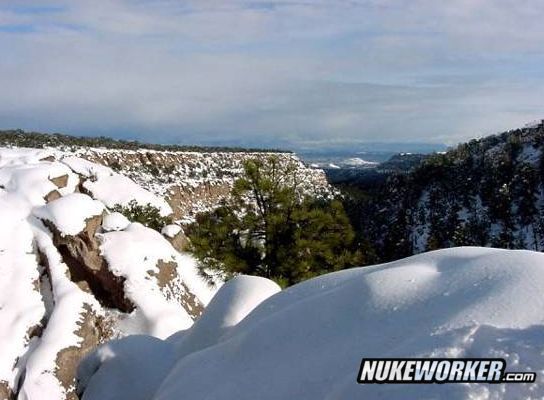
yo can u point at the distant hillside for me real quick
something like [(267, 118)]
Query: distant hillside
[(20, 138), (377, 174), (487, 192)]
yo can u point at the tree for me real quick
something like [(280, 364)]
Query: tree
[(270, 228)]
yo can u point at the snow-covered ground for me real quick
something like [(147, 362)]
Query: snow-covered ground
[(307, 342)]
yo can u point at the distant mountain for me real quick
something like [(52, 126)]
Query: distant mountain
[(487, 192)]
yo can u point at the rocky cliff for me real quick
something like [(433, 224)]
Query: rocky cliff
[(192, 182)]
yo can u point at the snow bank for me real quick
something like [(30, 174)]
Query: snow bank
[(232, 303), (136, 365), (307, 341), (70, 212)]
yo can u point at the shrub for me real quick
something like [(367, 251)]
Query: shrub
[(147, 215)]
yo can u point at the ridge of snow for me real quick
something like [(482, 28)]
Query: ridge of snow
[(62, 325)]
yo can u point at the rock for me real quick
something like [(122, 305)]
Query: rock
[(5, 391), (60, 181), (175, 235), (52, 195), (87, 266), (173, 288), (92, 332)]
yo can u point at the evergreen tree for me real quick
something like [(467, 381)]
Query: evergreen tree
[(269, 228)]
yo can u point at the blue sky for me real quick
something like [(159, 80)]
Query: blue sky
[(290, 73)]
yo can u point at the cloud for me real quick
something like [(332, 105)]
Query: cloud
[(272, 71)]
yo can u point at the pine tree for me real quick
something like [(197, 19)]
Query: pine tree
[(270, 228)]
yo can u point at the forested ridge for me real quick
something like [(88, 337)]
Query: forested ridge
[(486, 192)]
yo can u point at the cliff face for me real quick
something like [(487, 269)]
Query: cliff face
[(193, 182)]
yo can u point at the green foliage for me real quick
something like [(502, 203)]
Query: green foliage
[(269, 228), (147, 215)]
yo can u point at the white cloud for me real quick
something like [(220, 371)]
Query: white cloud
[(277, 70)]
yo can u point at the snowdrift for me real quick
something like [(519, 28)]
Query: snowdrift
[(307, 342)]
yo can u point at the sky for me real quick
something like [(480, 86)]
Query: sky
[(288, 73)]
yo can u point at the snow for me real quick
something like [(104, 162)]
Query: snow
[(232, 303), (63, 323), (115, 221), (32, 180), (21, 305), (112, 188), (87, 168), (136, 363), (118, 189), (171, 230), (134, 254), (70, 213), (306, 342), (359, 162)]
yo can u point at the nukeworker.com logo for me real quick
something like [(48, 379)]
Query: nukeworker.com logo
[(439, 370)]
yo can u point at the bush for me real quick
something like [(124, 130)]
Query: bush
[(147, 215)]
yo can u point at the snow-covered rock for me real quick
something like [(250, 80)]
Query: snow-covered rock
[(129, 368), (59, 295), (118, 189), (114, 221), (171, 230), (176, 236), (307, 342), (135, 366), (112, 188), (152, 271), (69, 213)]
